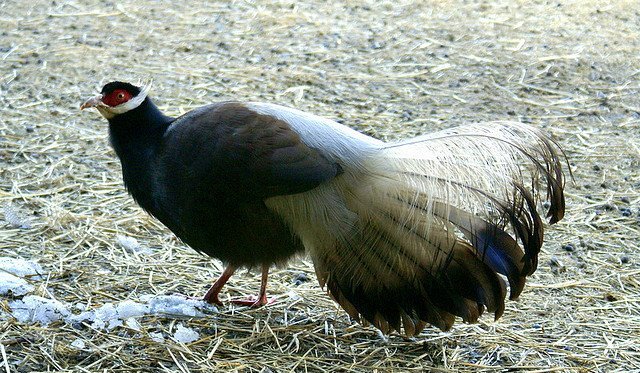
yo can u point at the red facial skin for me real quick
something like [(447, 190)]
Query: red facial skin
[(117, 97)]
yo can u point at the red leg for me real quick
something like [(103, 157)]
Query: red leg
[(262, 298), (212, 294)]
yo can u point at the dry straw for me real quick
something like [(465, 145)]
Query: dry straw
[(391, 69)]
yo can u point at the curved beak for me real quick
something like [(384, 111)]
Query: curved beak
[(92, 102)]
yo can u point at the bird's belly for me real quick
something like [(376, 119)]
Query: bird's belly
[(242, 235)]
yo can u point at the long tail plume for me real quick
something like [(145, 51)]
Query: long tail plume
[(434, 225)]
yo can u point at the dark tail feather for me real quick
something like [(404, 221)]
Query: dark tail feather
[(492, 244)]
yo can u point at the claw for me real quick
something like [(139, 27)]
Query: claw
[(254, 302)]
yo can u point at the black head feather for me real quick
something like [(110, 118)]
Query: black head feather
[(112, 86)]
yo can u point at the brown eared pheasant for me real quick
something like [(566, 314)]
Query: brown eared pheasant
[(402, 234)]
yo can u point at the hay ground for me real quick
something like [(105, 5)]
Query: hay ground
[(392, 69)]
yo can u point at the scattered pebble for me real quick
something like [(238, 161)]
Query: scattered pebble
[(624, 259), (626, 211), (300, 278), (569, 247), (608, 207), (556, 265)]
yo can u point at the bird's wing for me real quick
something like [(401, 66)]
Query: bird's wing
[(251, 153)]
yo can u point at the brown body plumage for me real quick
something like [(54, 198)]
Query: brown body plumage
[(401, 234)]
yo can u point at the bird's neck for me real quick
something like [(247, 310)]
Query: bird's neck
[(138, 132), (136, 137)]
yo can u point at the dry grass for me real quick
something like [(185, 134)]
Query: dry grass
[(392, 69)]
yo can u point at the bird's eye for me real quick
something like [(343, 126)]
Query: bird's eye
[(120, 96)]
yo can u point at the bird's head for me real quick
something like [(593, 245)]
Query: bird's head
[(117, 98)]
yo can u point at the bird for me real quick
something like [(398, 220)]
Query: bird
[(402, 234)]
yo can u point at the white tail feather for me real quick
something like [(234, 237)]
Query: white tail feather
[(406, 218)]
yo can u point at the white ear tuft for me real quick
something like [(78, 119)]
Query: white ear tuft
[(133, 103)]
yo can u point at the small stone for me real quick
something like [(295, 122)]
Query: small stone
[(555, 262), (78, 344), (376, 45), (625, 199), (608, 207), (596, 167), (569, 247), (624, 259), (300, 278)]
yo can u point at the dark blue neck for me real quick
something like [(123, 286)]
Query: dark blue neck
[(136, 136), (138, 131)]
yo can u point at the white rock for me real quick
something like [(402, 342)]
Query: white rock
[(13, 284), (33, 308), (82, 316), (293, 295), (131, 245), (133, 324), (78, 344), (111, 316), (105, 313), (108, 316), (156, 337), (177, 305), (114, 323), (20, 267), (14, 218), (185, 335), (128, 308)]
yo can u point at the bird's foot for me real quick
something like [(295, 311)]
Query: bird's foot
[(253, 302), (212, 298)]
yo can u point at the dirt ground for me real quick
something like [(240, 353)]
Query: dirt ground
[(392, 69)]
